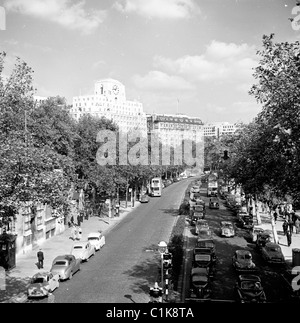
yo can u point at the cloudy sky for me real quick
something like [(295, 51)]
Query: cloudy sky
[(188, 56)]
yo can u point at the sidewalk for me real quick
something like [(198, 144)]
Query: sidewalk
[(286, 250), (18, 277)]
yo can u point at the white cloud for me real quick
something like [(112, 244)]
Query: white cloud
[(220, 62), (156, 80), (67, 13), (166, 9)]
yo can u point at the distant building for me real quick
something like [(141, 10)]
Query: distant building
[(173, 128), (39, 99), (217, 129), (109, 101)]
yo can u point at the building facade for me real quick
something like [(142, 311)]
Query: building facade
[(109, 101), (217, 129)]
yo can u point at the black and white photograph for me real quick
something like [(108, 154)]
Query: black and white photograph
[(150, 154)]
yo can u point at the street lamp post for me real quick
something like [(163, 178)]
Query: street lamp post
[(162, 247)]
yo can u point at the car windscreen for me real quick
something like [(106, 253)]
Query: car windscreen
[(78, 247), (38, 280), (60, 263), (93, 238)]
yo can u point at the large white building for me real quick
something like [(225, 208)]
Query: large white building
[(173, 128), (109, 101), (217, 129)]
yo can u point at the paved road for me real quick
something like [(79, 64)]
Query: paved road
[(127, 266), (225, 275)]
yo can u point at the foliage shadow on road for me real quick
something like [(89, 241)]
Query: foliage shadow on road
[(13, 288)]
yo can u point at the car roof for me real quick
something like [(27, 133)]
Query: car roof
[(243, 252), (41, 274), (272, 244), (226, 222), (199, 270), (249, 277), (94, 234), (64, 257), (80, 243)]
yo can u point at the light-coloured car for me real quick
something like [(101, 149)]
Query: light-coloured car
[(65, 266), (97, 240), (201, 224), (254, 232), (195, 189), (144, 198), (42, 283), (83, 250), (227, 229)]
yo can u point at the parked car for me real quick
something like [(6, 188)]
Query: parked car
[(272, 253), (227, 229), (144, 198), (249, 289), (83, 250), (42, 283), (65, 266), (200, 224), (263, 238), (246, 221), (204, 234), (242, 261), (202, 257), (197, 213), (254, 232), (195, 189), (214, 203), (208, 243), (200, 283), (97, 240), (195, 197)]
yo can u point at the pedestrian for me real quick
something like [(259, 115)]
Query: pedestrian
[(291, 225), (79, 233), (285, 226), (297, 225), (289, 237), (40, 256), (275, 216)]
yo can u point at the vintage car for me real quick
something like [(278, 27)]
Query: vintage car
[(241, 210), (42, 283), (195, 197), (263, 238), (246, 221), (207, 243), (200, 283), (204, 234), (97, 239), (214, 203), (227, 229), (195, 189), (249, 289), (254, 232), (144, 198), (65, 266), (197, 213), (272, 253), (200, 224), (83, 250), (242, 261), (202, 257)]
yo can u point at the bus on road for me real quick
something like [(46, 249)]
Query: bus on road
[(156, 186)]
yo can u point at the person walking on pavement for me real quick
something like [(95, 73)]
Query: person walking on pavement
[(40, 256), (291, 225), (289, 237), (275, 216), (285, 226)]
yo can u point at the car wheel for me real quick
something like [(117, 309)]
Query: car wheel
[(71, 275)]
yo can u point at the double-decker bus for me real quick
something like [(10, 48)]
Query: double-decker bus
[(156, 186)]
